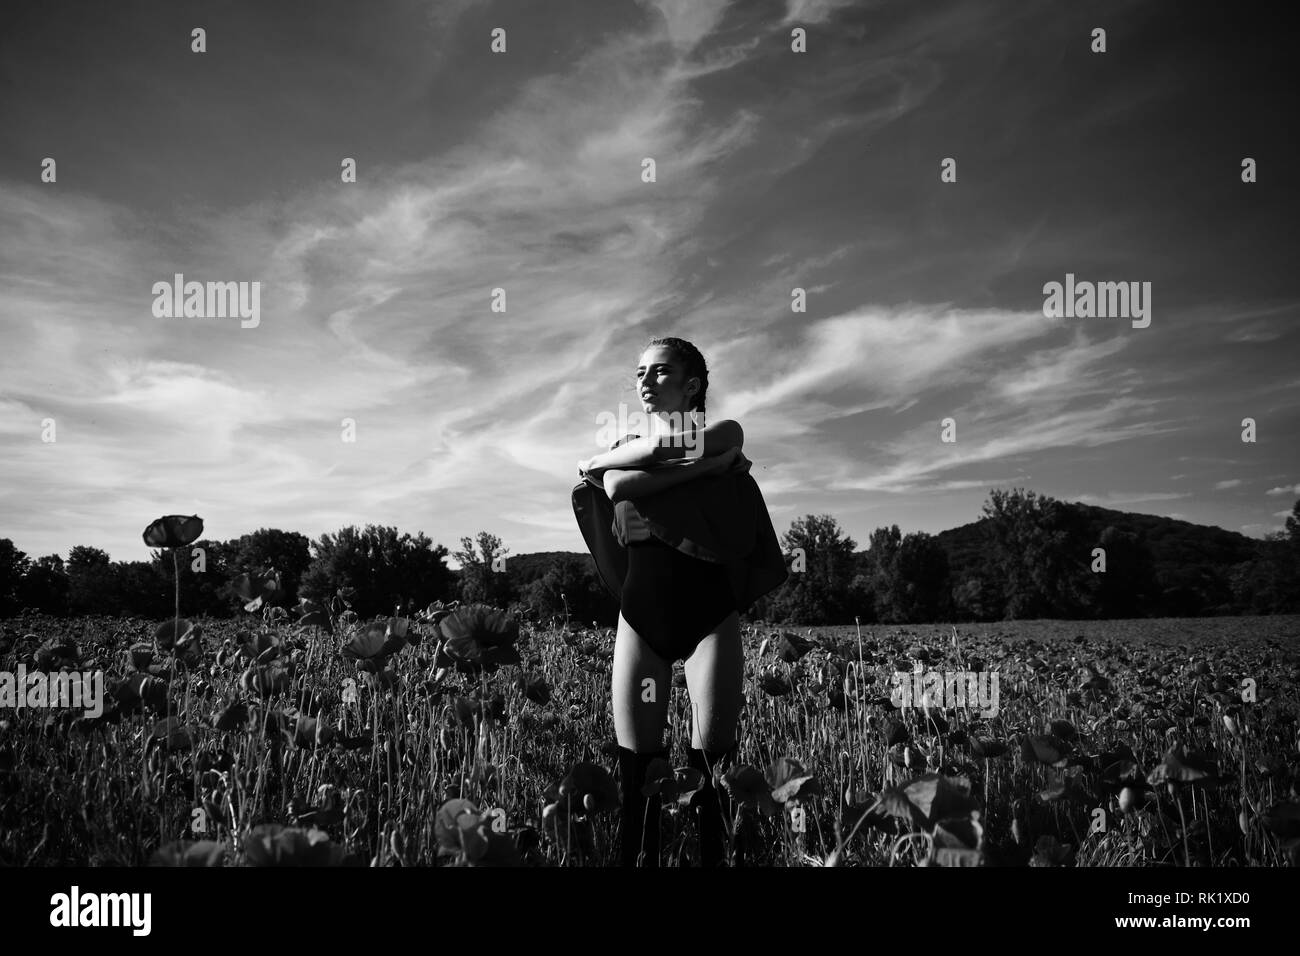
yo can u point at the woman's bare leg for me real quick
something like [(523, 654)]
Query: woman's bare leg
[(715, 681), (642, 686)]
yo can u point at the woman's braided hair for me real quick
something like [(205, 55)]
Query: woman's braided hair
[(693, 361)]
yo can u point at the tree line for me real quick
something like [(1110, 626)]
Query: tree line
[(1029, 556)]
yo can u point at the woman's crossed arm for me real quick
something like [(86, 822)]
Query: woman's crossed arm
[(623, 484)]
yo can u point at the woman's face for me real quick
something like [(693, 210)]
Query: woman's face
[(661, 382)]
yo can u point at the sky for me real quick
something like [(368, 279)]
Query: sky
[(523, 171)]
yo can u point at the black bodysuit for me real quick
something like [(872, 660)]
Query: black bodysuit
[(672, 600), (682, 560)]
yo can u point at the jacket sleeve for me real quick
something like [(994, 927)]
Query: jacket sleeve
[(595, 515)]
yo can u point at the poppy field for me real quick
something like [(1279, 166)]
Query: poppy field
[(462, 736)]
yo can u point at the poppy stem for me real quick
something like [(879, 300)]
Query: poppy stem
[(1187, 853)]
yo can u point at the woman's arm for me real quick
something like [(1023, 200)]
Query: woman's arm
[(712, 440), (621, 484)]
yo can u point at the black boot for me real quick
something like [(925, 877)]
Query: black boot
[(716, 807), (640, 814)]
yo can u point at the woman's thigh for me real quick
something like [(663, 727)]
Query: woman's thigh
[(715, 681), (642, 686)]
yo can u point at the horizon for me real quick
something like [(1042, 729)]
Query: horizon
[(522, 170), (860, 545)]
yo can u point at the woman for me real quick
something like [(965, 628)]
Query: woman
[(692, 546)]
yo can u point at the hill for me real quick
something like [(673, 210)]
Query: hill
[(1192, 561)]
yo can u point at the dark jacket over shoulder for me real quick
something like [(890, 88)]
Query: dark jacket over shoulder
[(721, 518)]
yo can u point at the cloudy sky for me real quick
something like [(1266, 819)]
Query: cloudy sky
[(522, 170)]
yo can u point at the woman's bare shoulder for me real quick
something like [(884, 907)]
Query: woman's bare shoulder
[(725, 433)]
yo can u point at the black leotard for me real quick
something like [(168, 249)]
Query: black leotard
[(672, 600), (712, 551)]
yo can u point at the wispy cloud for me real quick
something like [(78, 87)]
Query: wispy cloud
[(523, 173), (1131, 497)]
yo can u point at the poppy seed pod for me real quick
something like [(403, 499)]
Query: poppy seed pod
[(1126, 799)]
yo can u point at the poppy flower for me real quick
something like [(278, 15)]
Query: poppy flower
[(790, 782), (1043, 748), (1282, 819), (260, 646), (313, 614), (170, 734), (960, 833), (168, 633), (487, 710), (312, 732), (894, 732), (267, 680), (1049, 852), (930, 798), (189, 648), (774, 685), (587, 785), (371, 645), (142, 688), (232, 717), (1064, 729), (534, 689), (258, 588), (436, 611), (173, 531), (57, 652), (141, 655), (679, 784), (478, 637), (271, 844), (749, 788), (1181, 766), (190, 853), (1066, 785), (905, 755), (790, 646), (462, 831)]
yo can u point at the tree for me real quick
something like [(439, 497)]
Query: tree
[(882, 573), (567, 581), (976, 598), (479, 582), (921, 590), (1040, 555), (819, 594), (45, 586), (140, 587), (384, 568), (269, 549), (92, 588), (13, 567), (908, 577), (1270, 583), (1128, 587)]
